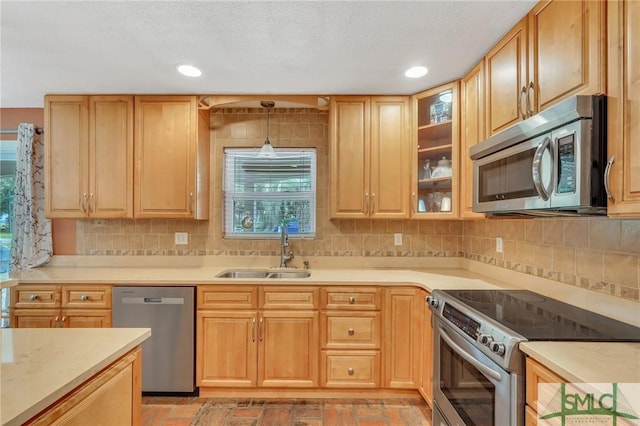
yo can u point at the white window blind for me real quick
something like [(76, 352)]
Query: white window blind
[(263, 194)]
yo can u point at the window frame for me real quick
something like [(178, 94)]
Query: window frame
[(306, 200)]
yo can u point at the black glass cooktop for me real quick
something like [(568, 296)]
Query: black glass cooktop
[(538, 317)]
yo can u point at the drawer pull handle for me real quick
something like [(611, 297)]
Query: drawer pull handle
[(350, 371), (352, 299), (84, 298), (351, 331), (33, 297)]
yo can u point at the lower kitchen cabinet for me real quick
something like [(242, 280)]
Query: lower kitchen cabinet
[(403, 316), (536, 373), (257, 347), (351, 330), (426, 384), (50, 306), (113, 396), (316, 339), (226, 348), (288, 350)]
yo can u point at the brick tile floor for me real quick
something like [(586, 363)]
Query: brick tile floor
[(194, 411)]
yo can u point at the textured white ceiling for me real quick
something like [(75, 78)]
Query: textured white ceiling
[(242, 47)]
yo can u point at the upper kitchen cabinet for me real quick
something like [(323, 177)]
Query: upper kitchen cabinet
[(506, 79), (435, 162), (370, 157), (556, 51), (567, 48), (624, 108), (471, 132), (89, 156), (171, 158)]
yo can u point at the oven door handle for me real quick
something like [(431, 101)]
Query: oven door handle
[(470, 359)]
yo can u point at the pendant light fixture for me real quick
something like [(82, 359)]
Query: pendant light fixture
[(267, 150)]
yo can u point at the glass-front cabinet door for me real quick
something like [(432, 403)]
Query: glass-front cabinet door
[(435, 192)]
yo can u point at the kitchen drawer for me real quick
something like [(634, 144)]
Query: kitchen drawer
[(352, 298), (351, 330), (289, 297), (36, 296), (227, 297), (350, 369), (86, 297)]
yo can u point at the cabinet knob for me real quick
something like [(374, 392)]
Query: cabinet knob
[(350, 371), (352, 299), (351, 331), (84, 298), (33, 297)]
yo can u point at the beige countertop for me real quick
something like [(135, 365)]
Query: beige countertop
[(40, 366), (572, 360), (9, 282), (428, 273), (588, 362)]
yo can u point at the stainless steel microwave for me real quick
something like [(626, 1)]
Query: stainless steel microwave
[(553, 163)]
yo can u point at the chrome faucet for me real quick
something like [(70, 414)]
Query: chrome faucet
[(284, 243)]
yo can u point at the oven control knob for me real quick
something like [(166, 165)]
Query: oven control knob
[(497, 348), (432, 301), (485, 339)]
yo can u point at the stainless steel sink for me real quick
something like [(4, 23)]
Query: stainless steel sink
[(249, 274), (290, 274), (243, 274)]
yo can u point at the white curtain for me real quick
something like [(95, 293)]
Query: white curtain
[(31, 244)]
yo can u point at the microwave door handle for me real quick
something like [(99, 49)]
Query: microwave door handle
[(607, 174), (469, 358), (536, 169)]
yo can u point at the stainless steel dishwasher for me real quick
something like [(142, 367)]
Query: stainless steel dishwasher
[(168, 358)]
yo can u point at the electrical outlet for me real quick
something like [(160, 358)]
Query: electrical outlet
[(181, 238), (498, 245), (397, 239)]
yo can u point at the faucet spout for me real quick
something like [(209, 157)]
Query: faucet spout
[(284, 243)]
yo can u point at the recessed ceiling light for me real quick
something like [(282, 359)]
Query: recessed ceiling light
[(189, 71), (416, 72)]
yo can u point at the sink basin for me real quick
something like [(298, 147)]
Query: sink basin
[(290, 274), (249, 274), (243, 274)]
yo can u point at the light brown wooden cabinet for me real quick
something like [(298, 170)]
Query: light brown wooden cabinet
[(536, 373), (89, 156), (471, 132), (49, 306), (369, 157), (403, 337), (556, 51), (351, 330), (113, 396), (250, 337), (624, 108), (172, 147), (506, 79), (426, 384), (435, 186)]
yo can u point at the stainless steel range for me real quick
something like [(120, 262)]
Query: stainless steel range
[(478, 369)]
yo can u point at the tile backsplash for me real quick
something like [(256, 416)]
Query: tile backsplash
[(599, 254)]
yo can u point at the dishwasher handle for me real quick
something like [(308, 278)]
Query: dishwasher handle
[(153, 300)]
